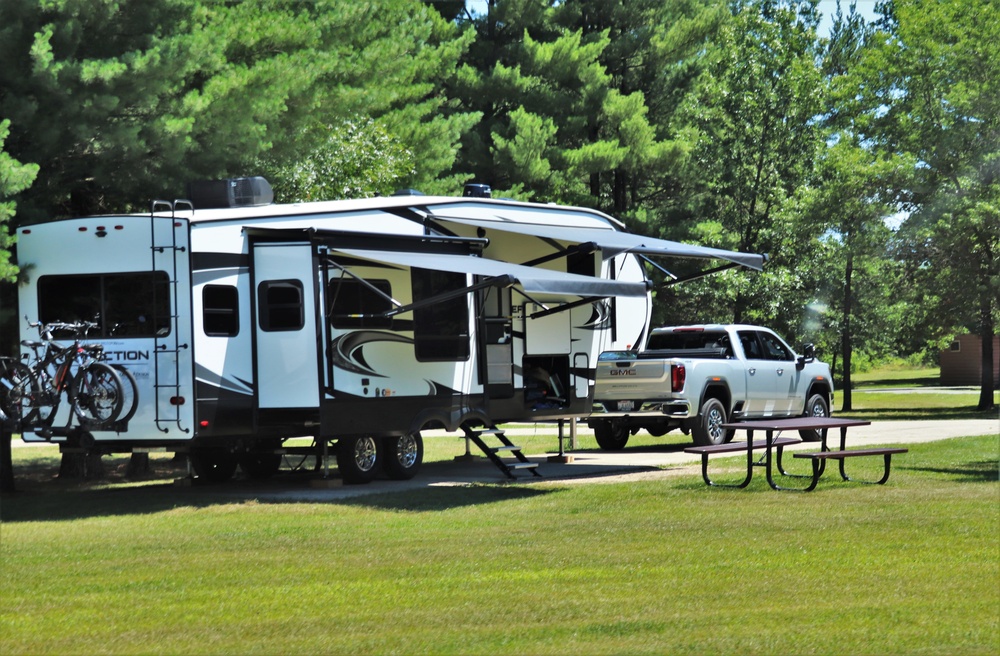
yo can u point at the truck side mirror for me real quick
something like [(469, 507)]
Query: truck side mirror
[(808, 355)]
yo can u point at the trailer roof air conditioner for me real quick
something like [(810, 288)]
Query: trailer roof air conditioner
[(231, 192)]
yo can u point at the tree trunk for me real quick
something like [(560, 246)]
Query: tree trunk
[(986, 334), (845, 334), (6, 462)]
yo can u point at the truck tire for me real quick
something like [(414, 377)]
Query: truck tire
[(611, 436), (402, 455), (707, 427), (358, 459), (816, 407)]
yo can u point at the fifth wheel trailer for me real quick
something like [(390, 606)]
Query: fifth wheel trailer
[(358, 323)]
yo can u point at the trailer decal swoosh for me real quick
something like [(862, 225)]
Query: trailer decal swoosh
[(346, 351)]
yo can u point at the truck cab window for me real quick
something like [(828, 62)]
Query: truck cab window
[(133, 304), (751, 345), (774, 349)]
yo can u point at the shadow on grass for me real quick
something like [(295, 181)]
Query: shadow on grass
[(445, 498), (983, 471), (928, 381)]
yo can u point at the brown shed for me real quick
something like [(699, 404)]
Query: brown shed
[(962, 363)]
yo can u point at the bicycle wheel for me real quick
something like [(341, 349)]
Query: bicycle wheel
[(16, 393), (130, 393), (97, 394)]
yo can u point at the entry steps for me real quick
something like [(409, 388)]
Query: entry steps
[(508, 467)]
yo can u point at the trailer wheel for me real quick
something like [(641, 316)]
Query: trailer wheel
[(707, 427), (611, 435), (358, 459), (259, 466), (816, 407), (213, 465), (402, 455)]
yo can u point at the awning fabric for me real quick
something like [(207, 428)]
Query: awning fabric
[(531, 279), (612, 242)]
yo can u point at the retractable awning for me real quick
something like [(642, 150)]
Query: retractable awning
[(611, 242), (531, 279)]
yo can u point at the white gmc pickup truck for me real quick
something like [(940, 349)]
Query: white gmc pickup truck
[(697, 378)]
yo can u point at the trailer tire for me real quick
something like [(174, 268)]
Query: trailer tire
[(816, 407), (358, 459), (213, 465), (402, 455), (260, 465), (707, 427), (611, 435)]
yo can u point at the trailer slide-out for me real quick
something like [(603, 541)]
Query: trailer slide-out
[(358, 323)]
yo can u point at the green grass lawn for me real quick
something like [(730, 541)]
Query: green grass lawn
[(662, 567)]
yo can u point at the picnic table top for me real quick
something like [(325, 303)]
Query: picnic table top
[(795, 423)]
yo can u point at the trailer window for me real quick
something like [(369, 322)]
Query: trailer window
[(441, 329), (133, 304), (281, 305), (220, 310), (353, 297)]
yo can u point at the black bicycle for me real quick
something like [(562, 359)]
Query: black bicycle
[(93, 387)]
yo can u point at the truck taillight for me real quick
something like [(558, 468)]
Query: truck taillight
[(677, 376)]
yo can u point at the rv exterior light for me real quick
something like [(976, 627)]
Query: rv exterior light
[(82, 228), (176, 400), (203, 423)]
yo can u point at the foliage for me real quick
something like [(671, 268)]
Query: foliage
[(354, 159), (14, 178), (122, 101)]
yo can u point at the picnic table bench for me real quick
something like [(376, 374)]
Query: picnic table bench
[(773, 427)]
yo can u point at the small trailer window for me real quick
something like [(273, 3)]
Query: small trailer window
[(133, 304), (350, 298), (220, 310), (441, 330), (281, 305)]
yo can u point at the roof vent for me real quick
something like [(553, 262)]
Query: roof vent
[(231, 192), (407, 192), (476, 190)]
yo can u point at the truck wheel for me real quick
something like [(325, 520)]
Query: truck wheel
[(611, 436), (707, 428), (402, 456), (213, 465), (358, 459), (816, 407)]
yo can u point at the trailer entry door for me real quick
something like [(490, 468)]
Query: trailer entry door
[(286, 353)]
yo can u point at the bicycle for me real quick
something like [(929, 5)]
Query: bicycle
[(95, 390), (13, 374)]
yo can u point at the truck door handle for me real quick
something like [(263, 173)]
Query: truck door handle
[(752, 371)]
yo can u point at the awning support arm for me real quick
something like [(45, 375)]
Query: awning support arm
[(567, 306), (367, 284), (657, 267), (495, 281), (581, 249), (702, 274)]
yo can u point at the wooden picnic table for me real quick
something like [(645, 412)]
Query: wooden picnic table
[(774, 443)]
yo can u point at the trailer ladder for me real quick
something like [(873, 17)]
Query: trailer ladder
[(167, 345), (508, 467)]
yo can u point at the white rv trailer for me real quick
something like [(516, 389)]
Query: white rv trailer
[(359, 323)]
